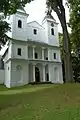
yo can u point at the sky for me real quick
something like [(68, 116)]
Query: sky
[(36, 10)]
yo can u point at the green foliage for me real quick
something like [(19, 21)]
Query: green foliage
[(75, 35), (61, 44), (75, 22), (75, 59), (76, 68), (4, 27), (8, 7)]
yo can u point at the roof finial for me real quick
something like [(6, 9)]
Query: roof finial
[(48, 15), (48, 11)]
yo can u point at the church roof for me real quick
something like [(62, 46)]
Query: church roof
[(49, 15), (21, 9)]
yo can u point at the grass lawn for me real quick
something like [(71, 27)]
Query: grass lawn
[(40, 102)]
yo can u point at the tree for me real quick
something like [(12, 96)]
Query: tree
[(4, 27), (57, 6), (60, 35), (8, 7), (76, 68), (75, 58), (75, 22)]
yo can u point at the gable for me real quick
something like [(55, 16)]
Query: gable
[(35, 24)]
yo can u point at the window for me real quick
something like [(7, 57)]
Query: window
[(54, 55), (19, 24), (36, 55), (19, 51), (52, 31), (35, 31)]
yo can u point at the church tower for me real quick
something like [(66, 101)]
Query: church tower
[(18, 23), (51, 29)]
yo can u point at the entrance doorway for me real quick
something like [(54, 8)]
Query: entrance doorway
[(47, 77), (37, 74)]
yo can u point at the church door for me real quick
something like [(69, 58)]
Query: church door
[(37, 74)]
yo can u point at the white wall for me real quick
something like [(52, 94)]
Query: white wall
[(22, 78), (56, 73), (30, 72), (7, 74), (40, 36), (15, 47), (38, 49), (2, 76), (57, 51), (51, 39), (19, 33), (26, 32), (45, 25)]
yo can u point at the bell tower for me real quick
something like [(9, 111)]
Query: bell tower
[(19, 24), (51, 28)]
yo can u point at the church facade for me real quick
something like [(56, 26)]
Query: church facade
[(33, 53)]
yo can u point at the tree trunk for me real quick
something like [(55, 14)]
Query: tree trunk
[(57, 6), (66, 46), (67, 55)]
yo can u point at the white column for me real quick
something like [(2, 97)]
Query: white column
[(33, 73), (48, 54), (33, 52), (43, 53), (49, 73), (44, 73), (27, 52)]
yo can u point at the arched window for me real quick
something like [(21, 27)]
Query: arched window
[(52, 31), (19, 24)]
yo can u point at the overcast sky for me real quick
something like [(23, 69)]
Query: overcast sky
[(36, 10)]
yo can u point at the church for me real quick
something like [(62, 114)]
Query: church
[(33, 53)]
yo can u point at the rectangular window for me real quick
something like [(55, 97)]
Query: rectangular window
[(54, 55), (36, 55), (35, 31), (19, 51)]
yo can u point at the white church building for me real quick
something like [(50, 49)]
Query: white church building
[(33, 53)]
